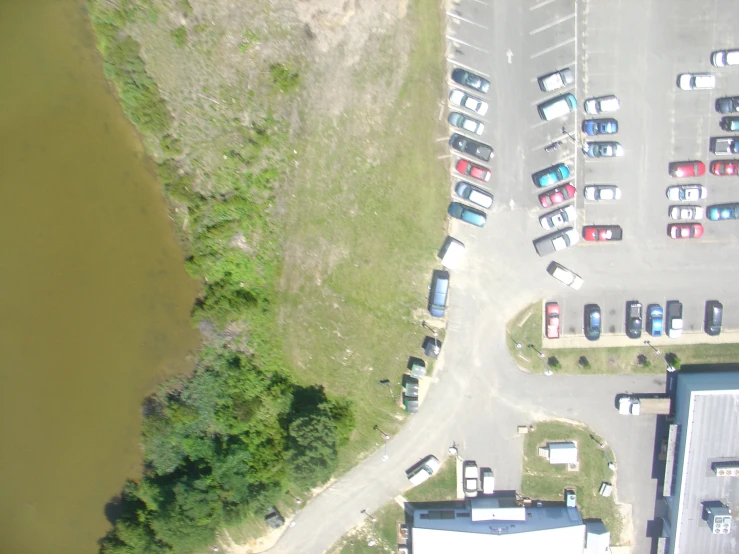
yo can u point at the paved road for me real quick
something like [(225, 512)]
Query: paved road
[(634, 50)]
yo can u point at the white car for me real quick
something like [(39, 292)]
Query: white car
[(602, 104), (464, 100), (602, 192), (687, 212), (556, 80), (564, 275), (423, 470), (558, 218), (696, 81), (725, 57), (470, 478), (467, 123), (687, 193)]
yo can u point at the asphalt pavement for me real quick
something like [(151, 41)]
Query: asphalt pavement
[(478, 396)]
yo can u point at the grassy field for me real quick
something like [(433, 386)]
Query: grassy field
[(526, 329), (543, 481), (443, 486), (366, 221)]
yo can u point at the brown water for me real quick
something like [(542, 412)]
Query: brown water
[(93, 295)]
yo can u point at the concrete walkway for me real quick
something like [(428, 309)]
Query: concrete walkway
[(620, 340)]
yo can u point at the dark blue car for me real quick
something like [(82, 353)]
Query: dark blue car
[(607, 126), (654, 320), (592, 322), (720, 212)]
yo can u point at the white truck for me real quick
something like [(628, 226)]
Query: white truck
[(557, 241), (633, 405), (674, 319)]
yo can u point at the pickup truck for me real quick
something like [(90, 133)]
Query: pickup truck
[(725, 146), (555, 242), (556, 80), (674, 319), (632, 405)]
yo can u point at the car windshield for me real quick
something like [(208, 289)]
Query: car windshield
[(594, 320)]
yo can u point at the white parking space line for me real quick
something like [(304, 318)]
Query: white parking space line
[(540, 5), (481, 2), (463, 66), (552, 48), (553, 23), (457, 41), (537, 125), (460, 18)]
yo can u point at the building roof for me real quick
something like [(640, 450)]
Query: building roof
[(551, 529), (597, 539), (562, 452), (707, 405)]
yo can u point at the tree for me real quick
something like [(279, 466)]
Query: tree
[(643, 361), (312, 455)]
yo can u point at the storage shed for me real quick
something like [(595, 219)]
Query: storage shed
[(562, 452)]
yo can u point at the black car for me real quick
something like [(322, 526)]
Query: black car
[(592, 322), (714, 317), (472, 147), (633, 319), (470, 80), (727, 104)]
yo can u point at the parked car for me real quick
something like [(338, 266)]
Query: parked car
[(467, 123), (685, 230), (557, 80), (464, 77), (470, 478), (714, 317), (552, 320), (474, 194), (472, 147), (464, 100), (592, 322), (686, 212), (696, 81), (423, 470), (554, 242), (488, 480), (467, 214), (729, 123), (674, 319), (727, 104), (564, 275), (466, 167), (602, 233), (724, 146), (438, 293), (633, 319), (559, 217), (602, 104), (451, 253), (723, 58), (687, 193), (557, 107), (654, 320), (592, 127), (721, 212), (724, 168), (687, 169), (557, 196), (602, 192), (551, 175), (603, 149)]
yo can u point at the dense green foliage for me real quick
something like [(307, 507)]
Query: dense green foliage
[(228, 440)]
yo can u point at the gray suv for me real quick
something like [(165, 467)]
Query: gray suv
[(438, 293)]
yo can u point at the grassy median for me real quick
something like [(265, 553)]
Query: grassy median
[(527, 328)]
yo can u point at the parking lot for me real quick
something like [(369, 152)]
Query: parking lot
[(635, 52)]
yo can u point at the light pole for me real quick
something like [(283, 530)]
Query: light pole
[(386, 382), (517, 344), (371, 542), (297, 500), (572, 138), (649, 344), (387, 438), (437, 349), (541, 354)]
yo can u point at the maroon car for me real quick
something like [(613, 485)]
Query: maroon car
[(552, 318), (473, 170), (557, 196), (725, 167), (602, 232)]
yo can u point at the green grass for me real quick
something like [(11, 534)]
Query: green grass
[(442, 486), (363, 236), (542, 481), (526, 328)]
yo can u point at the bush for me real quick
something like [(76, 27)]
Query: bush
[(179, 35), (554, 363), (643, 361), (673, 360), (283, 78), (584, 362)]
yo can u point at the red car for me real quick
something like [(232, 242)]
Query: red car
[(557, 196), (725, 167), (602, 232), (552, 318), (685, 230), (687, 169), (476, 171)]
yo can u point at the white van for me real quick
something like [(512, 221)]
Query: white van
[(451, 253), (557, 107), (566, 276), (488, 481), (725, 57)]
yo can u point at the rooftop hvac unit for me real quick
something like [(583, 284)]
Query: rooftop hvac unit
[(726, 469), (718, 518)]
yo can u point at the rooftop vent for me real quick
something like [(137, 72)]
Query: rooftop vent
[(726, 469), (718, 518)]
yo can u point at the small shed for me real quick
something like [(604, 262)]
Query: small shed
[(562, 452), (598, 538)]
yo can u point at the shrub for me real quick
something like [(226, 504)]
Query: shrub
[(673, 360), (643, 361), (554, 363), (284, 79), (179, 35), (584, 362)]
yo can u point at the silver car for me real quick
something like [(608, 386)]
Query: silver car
[(558, 218), (687, 212), (467, 123), (602, 192)]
